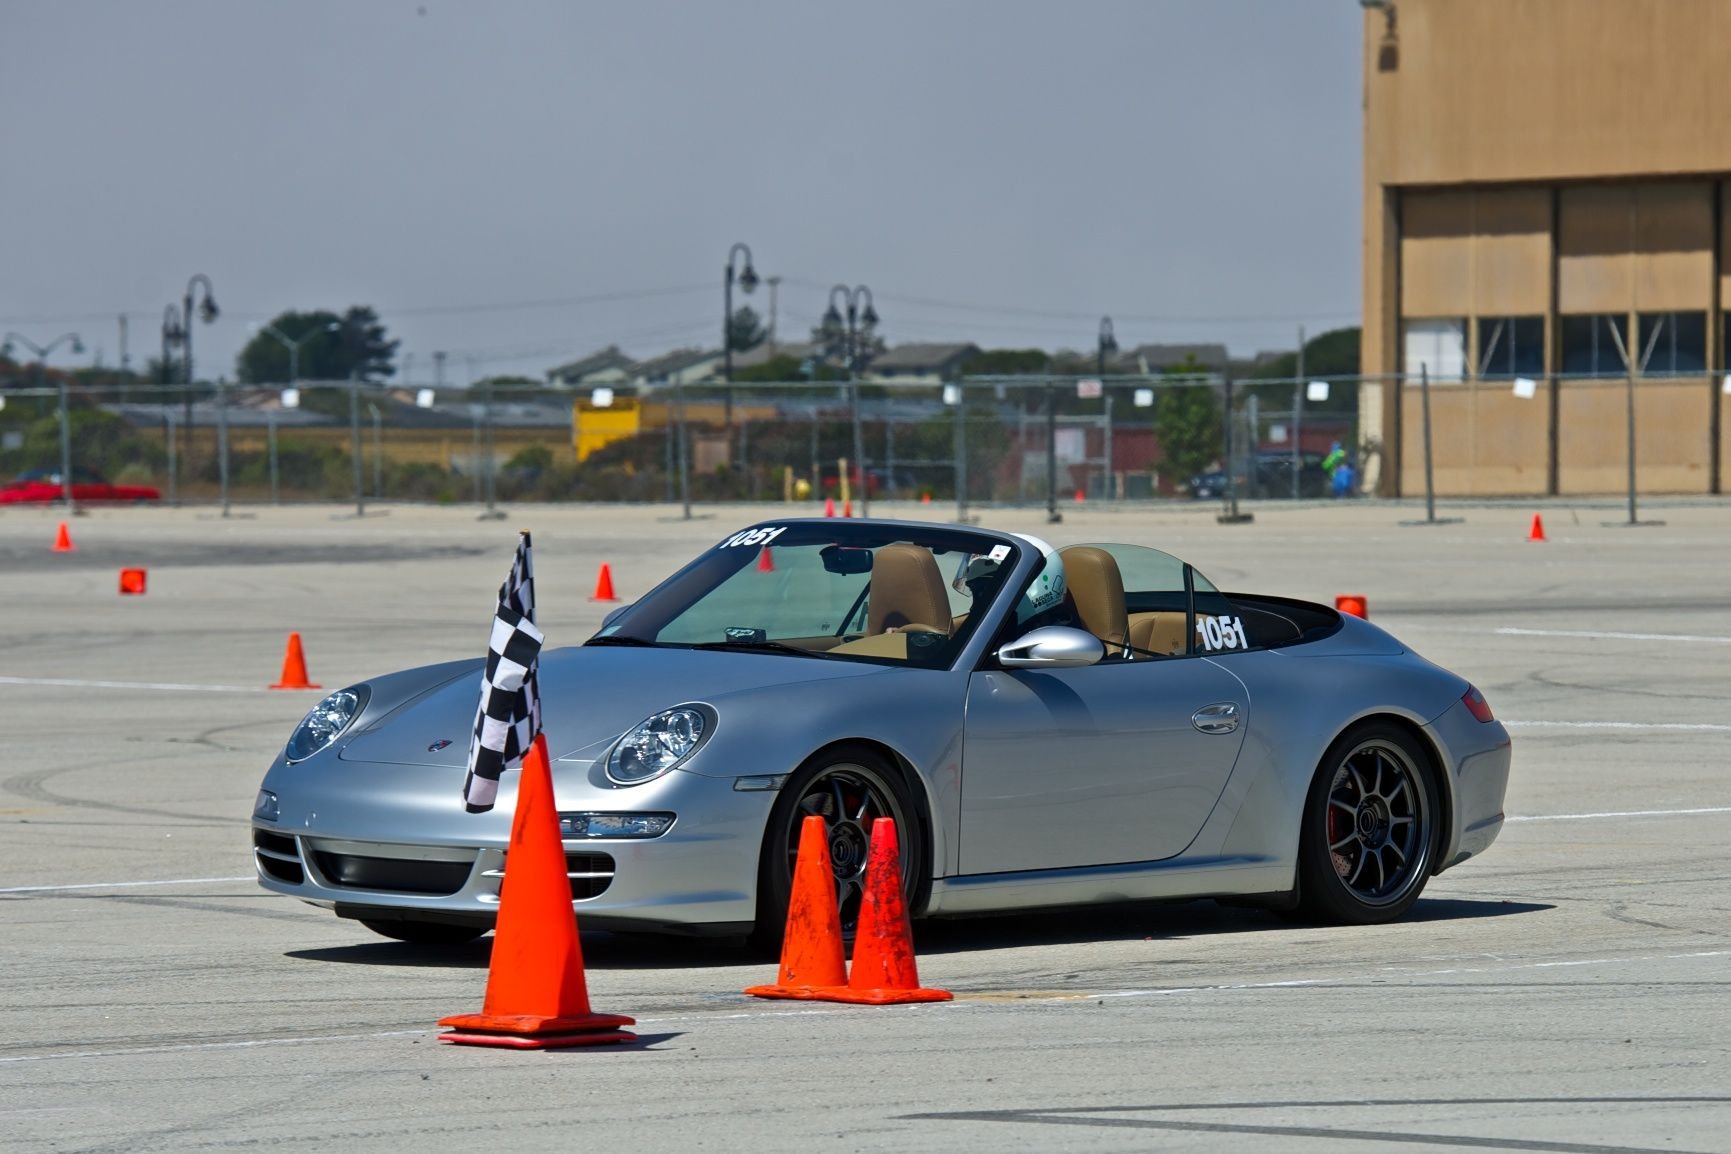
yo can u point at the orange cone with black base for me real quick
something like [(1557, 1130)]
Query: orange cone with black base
[(883, 971), (63, 539), (604, 584), (294, 667), (812, 957), (537, 998)]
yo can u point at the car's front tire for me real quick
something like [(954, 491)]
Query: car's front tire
[(1372, 825), (423, 933), (849, 787)]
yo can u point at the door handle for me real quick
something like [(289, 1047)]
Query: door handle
[(1218, 718)]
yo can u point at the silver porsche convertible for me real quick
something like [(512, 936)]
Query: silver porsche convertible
[(1050, 727)]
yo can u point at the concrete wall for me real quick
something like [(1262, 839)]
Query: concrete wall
[(1486, 442)]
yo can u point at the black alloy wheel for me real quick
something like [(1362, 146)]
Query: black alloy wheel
[(1371, 827), (849, 788)]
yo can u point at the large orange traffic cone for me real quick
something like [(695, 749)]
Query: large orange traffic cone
[(63, 539), (829, 506), (883, 971), (765, 562), (604, 584), (811, 949), (294, 667), (537, 997), (1537, 532)]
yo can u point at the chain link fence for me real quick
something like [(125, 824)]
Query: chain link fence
[(977, 441)]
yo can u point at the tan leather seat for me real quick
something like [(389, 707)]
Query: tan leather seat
[(906, 590), (1159, 631), (1092, 577)]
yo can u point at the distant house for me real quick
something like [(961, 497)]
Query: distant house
[(679, 367), (920, 364), (607, 367), (1152, 360)]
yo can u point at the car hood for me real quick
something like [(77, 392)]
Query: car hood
[(589, 696)]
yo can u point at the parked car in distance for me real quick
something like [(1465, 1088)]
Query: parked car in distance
[(1208, 486), (43, 487)]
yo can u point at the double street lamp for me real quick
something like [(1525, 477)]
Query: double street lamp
[(747, 282), (849, 335), (177, 330), (42, 352)]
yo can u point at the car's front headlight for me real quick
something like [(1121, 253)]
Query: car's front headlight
[(325, 722), (659, 745)]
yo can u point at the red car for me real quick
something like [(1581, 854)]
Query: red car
[(42, 487)]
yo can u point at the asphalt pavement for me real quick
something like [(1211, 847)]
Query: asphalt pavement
[(1568, 991)]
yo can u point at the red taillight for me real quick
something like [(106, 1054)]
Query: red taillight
[(1477, 705)]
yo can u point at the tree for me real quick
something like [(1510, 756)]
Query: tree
[(1187, 421), (332, 347), (745, 331), (1331, 354)]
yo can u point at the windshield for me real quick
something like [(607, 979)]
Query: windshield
[(827, 590)]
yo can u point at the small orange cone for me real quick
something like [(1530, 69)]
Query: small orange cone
[(884, 972), (765, 562), (1353, 604), (829, 506), (1080, 496), (63, 539), (1536, 533), (847, 507), (537, 997), (811, 950), (925, 498), (132, 581), (604, 584), (294, 667)]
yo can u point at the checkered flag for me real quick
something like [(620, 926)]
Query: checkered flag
[(508, 717)]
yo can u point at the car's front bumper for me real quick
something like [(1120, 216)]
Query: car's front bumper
[(399, 847)]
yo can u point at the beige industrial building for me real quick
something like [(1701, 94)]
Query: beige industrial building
[(1545, 190)]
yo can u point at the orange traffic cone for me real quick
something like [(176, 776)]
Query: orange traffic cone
[(537, 997), (132, 581), (604, 584), (1080, 496), (811, 950), (829, 506), (883, 972), (294, 667), (847, 507), (63, 539), (765, 562), (925, 498), (1354, 604), (1536, 533)]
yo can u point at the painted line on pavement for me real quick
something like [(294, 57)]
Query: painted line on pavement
[(1511, 631), (965, 1000), (122, 885), (77, 683), (1685, 726), (1620, 813)]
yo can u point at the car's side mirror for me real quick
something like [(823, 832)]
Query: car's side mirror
[(1052, 647)]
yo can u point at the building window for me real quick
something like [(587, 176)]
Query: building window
[(1590, 345), (1678, 343), (1511, 346), (1438, 347)]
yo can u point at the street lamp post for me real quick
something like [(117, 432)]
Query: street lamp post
[(42, 352), (293, 345), (846, 336), (747, 282), (177, 329)]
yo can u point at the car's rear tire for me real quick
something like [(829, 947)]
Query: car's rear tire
[(423, 933), (1372, 824), (848, 786)]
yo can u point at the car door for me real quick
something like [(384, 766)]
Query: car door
[(1117, 762)]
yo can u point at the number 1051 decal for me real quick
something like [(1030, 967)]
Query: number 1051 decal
[(1221, 633)]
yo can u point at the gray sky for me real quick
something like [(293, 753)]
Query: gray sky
[(1002, 172)]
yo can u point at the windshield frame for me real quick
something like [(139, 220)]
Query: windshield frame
[(686, 586)]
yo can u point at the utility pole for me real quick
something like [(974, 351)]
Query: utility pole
[(1298, 416), (774, 283)]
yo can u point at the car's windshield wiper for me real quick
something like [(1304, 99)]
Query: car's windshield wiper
[(616, 639), (760, 647)]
